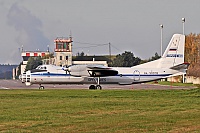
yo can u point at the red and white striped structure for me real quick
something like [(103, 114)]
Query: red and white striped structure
[(34, 54)]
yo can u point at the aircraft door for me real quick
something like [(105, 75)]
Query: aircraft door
[(136, 75)]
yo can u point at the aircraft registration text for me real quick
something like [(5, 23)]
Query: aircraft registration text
[(152, 72)]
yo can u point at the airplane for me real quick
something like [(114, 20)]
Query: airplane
[(170, 64)]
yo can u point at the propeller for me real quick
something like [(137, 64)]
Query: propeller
[(67, 68)]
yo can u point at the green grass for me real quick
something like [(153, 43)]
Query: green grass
[(90, 111), (173, 83)]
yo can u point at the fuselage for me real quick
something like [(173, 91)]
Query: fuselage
[(126, 75)]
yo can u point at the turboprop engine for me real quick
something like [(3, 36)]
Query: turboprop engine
[(78, 70)]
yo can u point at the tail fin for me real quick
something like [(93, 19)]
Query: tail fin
[(174, 54)]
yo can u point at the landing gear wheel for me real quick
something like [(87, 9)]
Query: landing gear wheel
[(41, 87), (92, 87), (98, 87)]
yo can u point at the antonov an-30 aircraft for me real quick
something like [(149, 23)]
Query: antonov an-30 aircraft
[(170, 64)]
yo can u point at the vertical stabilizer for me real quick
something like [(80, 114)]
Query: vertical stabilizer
[(174, 54)]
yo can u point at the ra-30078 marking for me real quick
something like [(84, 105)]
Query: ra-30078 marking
[(150, 72)]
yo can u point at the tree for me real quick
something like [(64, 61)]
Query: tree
[(118, 61), (19, 70), (192, 55), (47, 56), (33, 62), (81, 54), (154, 57), (127, 59), (192, 49)]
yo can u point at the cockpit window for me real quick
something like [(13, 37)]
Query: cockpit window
[(41, 68)]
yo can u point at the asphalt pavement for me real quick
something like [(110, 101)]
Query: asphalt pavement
[(17, 84)]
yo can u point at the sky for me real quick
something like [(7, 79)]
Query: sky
[(128, 25)]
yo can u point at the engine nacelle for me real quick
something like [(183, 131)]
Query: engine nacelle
[(78, 70)]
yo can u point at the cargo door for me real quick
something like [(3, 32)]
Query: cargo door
[(136, 75)]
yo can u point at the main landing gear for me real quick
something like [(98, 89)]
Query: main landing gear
[(96, 87), (41, 87)]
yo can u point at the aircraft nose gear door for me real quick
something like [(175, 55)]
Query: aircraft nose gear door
[(136, 75)]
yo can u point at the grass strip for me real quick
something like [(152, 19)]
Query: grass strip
[(99, 111)]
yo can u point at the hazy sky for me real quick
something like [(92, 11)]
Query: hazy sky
[(129, 25)]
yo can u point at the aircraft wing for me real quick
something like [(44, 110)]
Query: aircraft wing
[(91, 71), (101, 71)]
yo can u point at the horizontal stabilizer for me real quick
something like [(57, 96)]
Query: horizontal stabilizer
[(180, 66), (177, 74)]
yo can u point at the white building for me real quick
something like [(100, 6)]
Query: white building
[(27, 54)]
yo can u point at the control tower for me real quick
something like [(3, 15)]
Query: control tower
[(63, 51)]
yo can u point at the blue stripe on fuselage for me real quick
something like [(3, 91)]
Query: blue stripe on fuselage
[(119, 75), (127, 75), (50, 74)]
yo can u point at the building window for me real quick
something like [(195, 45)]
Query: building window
[(65, 45), (66, 57), (59, 45), (60, 57)]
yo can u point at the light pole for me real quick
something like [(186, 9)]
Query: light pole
[(47, 48), (183, 21), (161, 27)]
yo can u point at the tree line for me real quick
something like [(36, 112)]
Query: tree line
[(192, 54)]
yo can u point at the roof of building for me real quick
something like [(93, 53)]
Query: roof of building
[(89, 58)]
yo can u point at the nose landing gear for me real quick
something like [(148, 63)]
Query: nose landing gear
[(41, 87)]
